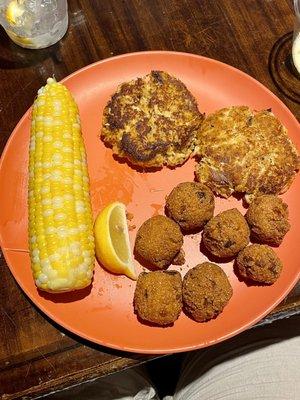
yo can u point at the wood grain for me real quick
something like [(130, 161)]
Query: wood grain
[(37, 356)]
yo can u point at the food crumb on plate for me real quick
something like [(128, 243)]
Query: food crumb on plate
[(129, 216)]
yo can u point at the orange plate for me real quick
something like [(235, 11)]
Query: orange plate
[(103, 313)]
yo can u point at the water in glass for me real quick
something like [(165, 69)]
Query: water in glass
[(34, 24)]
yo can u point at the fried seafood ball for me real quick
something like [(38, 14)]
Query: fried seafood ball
[(226, 234), (259, 263), (191, 205), (158, 297), (206, 291), (267, 217), (158, 241)]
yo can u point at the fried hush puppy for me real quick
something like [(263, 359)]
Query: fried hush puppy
[(259, 263), (267, 217), (206, 291), (158, 297), (226, 234), (158, 241), (191, 205)]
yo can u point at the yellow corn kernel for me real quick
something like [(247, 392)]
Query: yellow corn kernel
[(61, 251)]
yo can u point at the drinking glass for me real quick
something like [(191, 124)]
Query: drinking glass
[(296, 37), (34, 24)]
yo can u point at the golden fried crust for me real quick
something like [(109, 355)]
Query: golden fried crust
[(241, 150), (206, 291), (158, 297), (191, 205), (226, 234), (259, 263), (267, 217), (179, 258), (158, 241), (152, 121)]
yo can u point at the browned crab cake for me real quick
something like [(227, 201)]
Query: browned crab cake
[(152, 121), (245, 151)]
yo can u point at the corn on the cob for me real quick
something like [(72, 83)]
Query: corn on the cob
[(61, 238)]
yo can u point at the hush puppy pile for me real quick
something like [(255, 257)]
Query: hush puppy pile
[(205, 290)]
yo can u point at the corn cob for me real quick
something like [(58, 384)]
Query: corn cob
[(61, 241)]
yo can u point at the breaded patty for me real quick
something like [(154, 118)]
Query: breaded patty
[(226, 234), (191, 205), (241, 150), (206, 291), (158, 297), (267, 217), (259, 263), (158, 241), (152, 121)]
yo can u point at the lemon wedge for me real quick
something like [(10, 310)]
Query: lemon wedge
[(14, 10), (112, 240)]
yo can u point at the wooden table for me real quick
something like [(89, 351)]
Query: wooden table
[(36, 355)]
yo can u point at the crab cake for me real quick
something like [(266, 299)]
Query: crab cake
[(267, 217), (152, 121), (241, 150), (226, 234), (158, 297), (158, 241), (191, 205), (259, 263), (206, 291)]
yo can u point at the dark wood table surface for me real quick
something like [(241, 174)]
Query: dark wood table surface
[(36, 355)]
